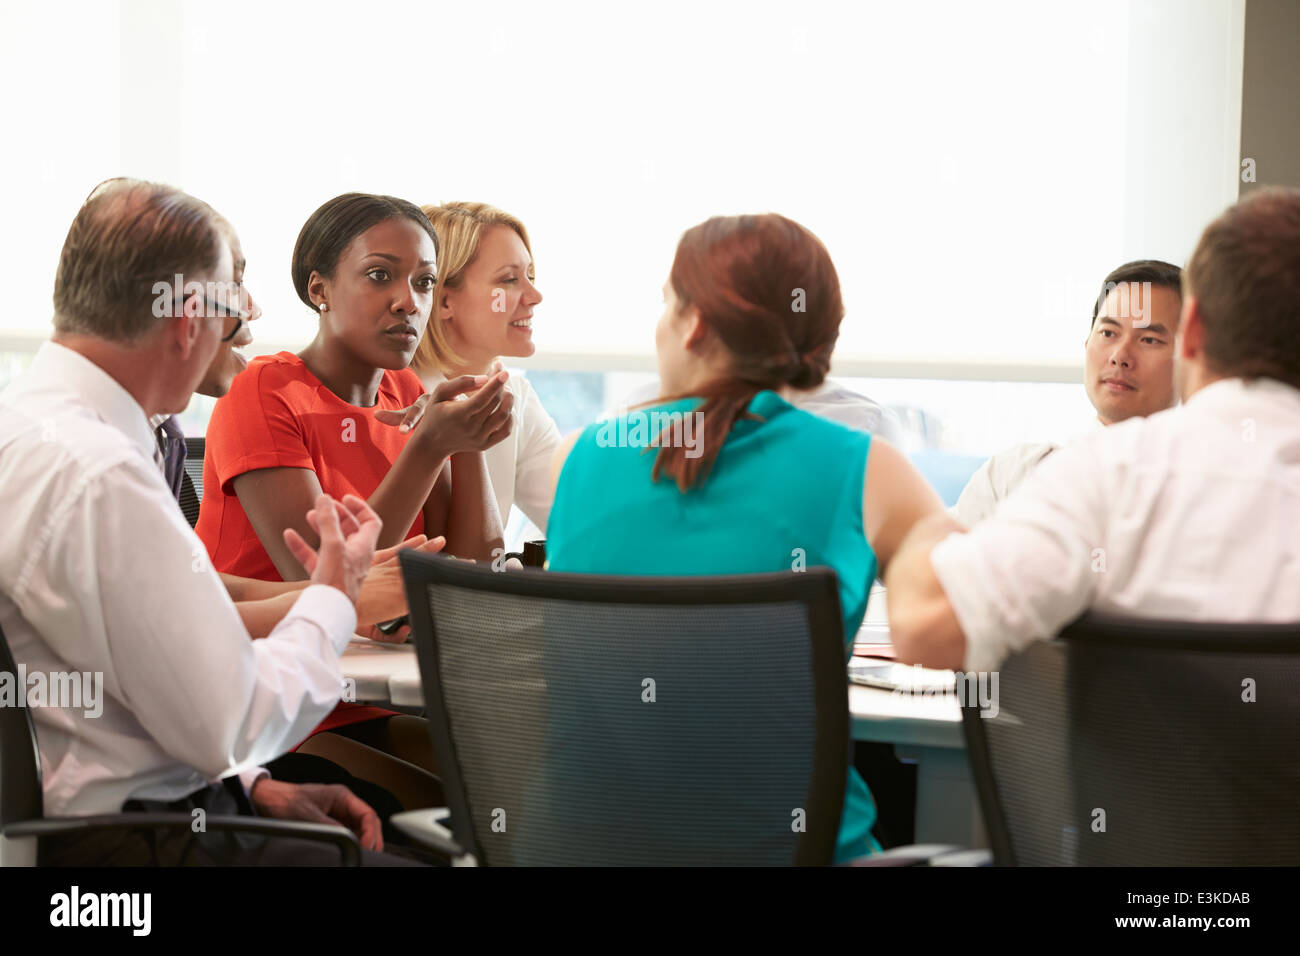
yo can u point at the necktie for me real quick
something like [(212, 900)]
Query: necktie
[(179, 481), (159, 458), (235, 788)]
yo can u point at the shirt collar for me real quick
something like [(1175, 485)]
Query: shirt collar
[(170, 426), (768, 404), (1228, 391), (109, 401)]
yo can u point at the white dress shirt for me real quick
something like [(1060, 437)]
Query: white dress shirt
[(519, 467), (1190, 514), (1001, 475), (830, 400), (100, 573), (996, 479)]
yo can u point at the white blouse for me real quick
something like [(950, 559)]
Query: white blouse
[(520, 466)]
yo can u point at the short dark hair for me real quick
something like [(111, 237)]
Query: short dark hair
[(129, 235), (330, 229), (1245, 276), (1164, 275)]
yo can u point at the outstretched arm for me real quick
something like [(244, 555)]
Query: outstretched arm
[(900, 511)]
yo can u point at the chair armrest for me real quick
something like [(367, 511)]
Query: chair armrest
[(917, 854), (342, 838), (423, 825)]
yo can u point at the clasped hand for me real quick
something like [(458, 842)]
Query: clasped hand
[(447, 423)]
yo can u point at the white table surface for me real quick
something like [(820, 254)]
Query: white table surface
[(384, 673)]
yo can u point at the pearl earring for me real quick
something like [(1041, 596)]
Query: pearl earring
[(324, 307)]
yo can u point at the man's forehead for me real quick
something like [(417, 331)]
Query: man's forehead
[(1138, 300)]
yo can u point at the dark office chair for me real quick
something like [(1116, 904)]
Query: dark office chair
[(194, 448), (633, 720), (22, 822), (1143, 743)]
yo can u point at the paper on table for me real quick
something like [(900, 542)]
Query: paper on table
[(904, 678)]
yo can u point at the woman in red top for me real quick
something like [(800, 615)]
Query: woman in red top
[(327, 419)]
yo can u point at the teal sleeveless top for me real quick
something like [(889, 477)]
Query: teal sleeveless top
[(786, 482)]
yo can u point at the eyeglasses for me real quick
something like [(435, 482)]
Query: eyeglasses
[(218, 310)]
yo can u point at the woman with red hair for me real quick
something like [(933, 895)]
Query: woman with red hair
[(752, 313)]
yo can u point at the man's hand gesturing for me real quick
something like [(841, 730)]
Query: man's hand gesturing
[(348, 531)]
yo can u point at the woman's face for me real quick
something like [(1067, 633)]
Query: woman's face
[(490, 312), (673, 358), (381, 294)]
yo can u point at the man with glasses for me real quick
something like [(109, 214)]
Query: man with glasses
[(100, 575), (235, 312)]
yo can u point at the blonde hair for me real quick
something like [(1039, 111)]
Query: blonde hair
[(460, 227)]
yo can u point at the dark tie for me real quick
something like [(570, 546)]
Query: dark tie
[(171, 459), (236, 790)]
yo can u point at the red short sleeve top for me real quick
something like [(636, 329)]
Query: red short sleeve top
[(279, 415)]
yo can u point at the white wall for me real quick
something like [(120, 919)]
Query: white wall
[(975, 169)]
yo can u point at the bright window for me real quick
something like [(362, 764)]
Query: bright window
[(975, 169)]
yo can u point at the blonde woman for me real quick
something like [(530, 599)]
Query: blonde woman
[(483, 311)]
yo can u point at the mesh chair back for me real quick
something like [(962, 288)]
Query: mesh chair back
[(191, 496), (1143, 743), (634, 721), (194, 448), (20, 760)]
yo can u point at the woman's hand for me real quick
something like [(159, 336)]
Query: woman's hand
[(449, 423), (410, 416), (383, 593)]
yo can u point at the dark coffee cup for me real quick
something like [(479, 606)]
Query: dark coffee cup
[(533, 555)]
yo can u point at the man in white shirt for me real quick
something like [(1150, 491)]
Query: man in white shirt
[(1128, 371), (100, 575), (1188, 514)]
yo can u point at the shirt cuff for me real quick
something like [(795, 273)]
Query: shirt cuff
[(329, 608), (956, 561), (250, 777)]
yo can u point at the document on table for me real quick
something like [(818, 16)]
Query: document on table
[(905, 678)]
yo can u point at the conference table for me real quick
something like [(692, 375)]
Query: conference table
[(925, 729)]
